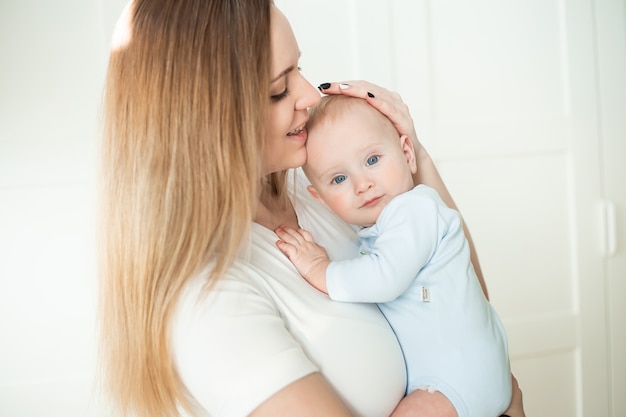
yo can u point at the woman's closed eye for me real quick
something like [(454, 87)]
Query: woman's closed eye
[(285, 92), (280, 96), (338, 179)]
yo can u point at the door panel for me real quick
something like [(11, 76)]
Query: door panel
[(610, 18)]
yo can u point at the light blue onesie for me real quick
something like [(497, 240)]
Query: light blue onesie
[(416, 265)]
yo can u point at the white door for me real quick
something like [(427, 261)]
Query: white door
[(611, 41), (504, 95)]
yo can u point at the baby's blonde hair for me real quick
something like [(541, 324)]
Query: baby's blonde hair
[(334, 107)]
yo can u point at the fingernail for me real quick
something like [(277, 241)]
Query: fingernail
[(370, 95), (324, 86), (344, 86)]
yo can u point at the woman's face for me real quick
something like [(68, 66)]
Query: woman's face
[(290, 96)]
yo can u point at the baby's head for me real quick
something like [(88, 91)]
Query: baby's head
[(356, 159)]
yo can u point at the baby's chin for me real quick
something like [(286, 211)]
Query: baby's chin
[(362, 223)]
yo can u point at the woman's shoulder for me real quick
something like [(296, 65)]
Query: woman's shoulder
[(229, 333)]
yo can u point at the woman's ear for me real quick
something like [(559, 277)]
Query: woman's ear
[(409, 152), (315, 194)]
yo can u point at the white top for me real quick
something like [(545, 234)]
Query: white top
[(263, 327)]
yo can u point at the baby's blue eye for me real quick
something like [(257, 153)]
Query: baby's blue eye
[(338, 179), (373, 159)]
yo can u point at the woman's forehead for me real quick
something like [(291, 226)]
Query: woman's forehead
[(285, 51)]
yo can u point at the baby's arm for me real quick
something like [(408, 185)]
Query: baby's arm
[(309, 258)]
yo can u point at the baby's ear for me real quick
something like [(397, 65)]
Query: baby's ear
[(409, 152), (315, 194)]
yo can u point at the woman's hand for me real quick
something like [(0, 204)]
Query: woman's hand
[(516, 408), (421, 403), (387, 102)]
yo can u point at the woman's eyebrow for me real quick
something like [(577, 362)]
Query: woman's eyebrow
[(283, 73), (287, 70)]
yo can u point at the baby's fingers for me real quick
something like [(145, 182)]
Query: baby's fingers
[(293, 236), (287, 249), (305, 235), (287, 234)]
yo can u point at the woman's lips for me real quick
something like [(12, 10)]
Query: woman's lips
[(299, 134)]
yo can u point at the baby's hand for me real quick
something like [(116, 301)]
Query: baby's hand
[(309, 258)]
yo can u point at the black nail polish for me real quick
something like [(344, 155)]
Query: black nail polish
[(370, 95), (324, 86)]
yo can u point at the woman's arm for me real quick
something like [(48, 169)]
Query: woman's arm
[(391, 105), (310, 396)]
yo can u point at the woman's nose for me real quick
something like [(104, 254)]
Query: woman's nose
[(308, 96)]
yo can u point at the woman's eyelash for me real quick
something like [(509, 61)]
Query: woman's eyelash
[(280, 96), (285, 93)]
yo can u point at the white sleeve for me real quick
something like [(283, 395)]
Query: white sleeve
[(232, 349), (408, 238)]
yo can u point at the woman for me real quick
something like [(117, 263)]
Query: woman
[(204, 114)]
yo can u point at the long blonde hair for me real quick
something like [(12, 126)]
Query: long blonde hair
[(185, 109)]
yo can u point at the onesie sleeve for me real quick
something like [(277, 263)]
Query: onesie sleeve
[(232, 349), (408, 234)]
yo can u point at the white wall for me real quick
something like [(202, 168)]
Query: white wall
[(52, 65), (53, 57)]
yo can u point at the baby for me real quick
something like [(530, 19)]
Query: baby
[(414, 260)]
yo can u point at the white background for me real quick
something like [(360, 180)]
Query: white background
[(521, 102)]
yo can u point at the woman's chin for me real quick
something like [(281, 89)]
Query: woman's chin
[(298, 160), (295, 162)]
